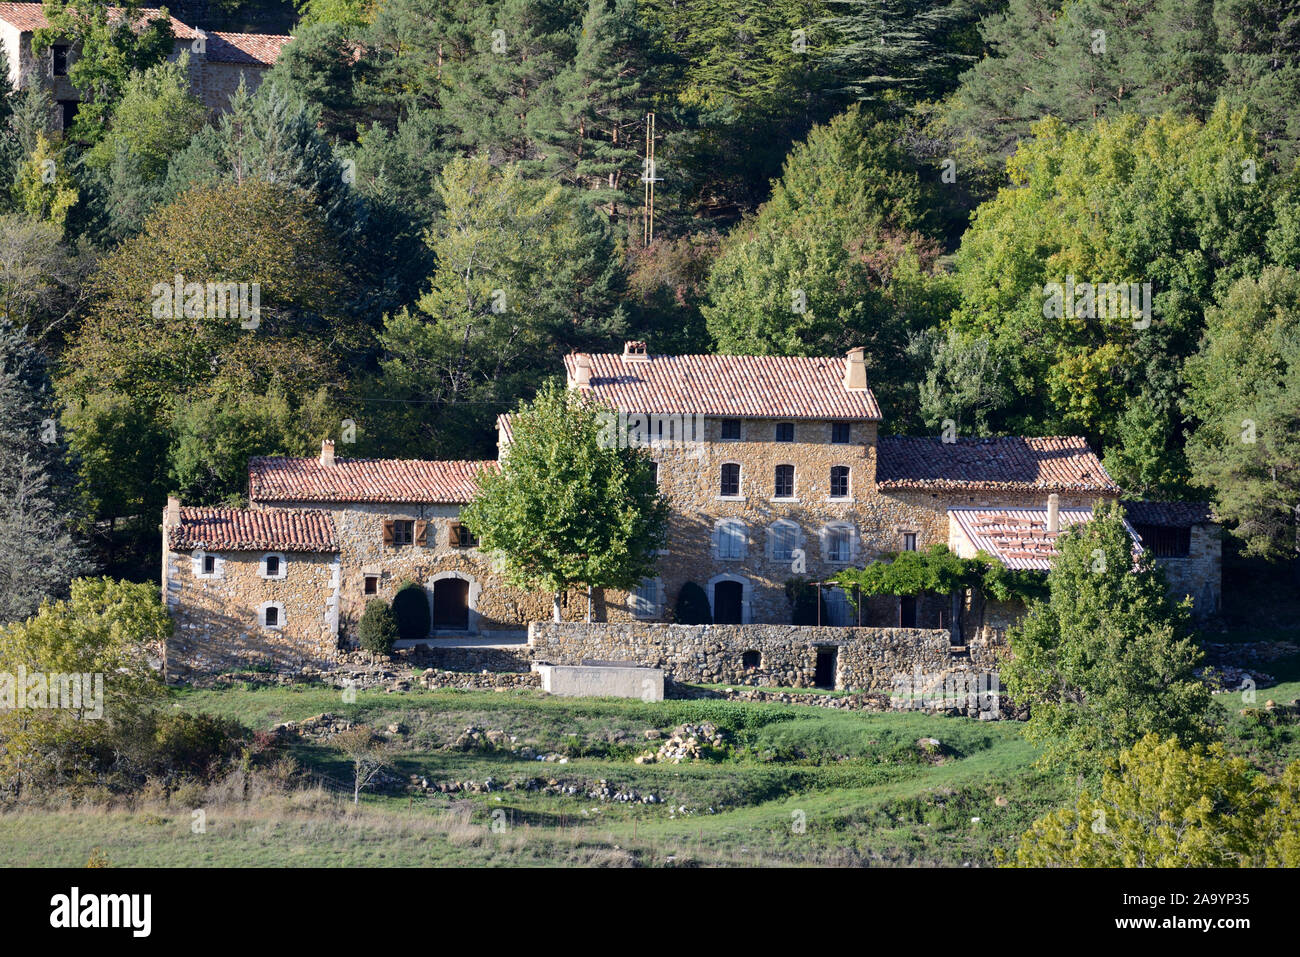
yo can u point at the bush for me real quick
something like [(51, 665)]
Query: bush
[(693, 606), (378, 627), (411, 608)]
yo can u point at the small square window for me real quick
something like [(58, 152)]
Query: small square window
[(731, 430), (840, 433), (209, 564), (403, 531), (372, 585), (467, 538), (785, 431), (272, 565), (909, 541)]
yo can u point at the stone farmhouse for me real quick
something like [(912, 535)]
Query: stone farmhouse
[(775, 472), (217, 60)]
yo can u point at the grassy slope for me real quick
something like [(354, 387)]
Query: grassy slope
[(859, 781)]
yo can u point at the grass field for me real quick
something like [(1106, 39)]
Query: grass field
[(795, 784)]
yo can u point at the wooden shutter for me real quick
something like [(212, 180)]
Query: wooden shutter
[(421, 533), (388, 533), (453, 534)]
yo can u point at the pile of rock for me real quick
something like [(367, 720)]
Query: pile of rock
[(319, 726), (494, 680), (688, 742)]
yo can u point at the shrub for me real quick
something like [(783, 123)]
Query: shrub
[(378, 627), (693, 606), (411, 608)]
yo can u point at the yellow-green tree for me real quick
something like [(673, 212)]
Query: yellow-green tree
[(1168, 806)]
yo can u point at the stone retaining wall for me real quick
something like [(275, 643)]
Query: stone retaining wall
[(865, 659)]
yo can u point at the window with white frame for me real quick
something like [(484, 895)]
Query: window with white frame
[(645, 600), (271, 614), (273, 566), (208, 564), (785, 539), (783, 482), (837, 542), (732, 539), (729, 480), (839, 481)]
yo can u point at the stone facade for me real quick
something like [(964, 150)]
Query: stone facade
[(220, 617), (1198, 575), (853, 659)]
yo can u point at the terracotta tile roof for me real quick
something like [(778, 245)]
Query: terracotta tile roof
[(276, 479), (1038, 464), (1018, 537), (254, 49), (31, 16), (761, 387), (260, 49), (1172, 514), (243, 529)]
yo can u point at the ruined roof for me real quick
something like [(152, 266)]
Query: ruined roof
[(276, 479), (1018, 537), (253, 49), (761, 387), (244, 529), (1170, 514), (1050, 464)]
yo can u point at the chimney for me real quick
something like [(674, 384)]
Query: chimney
[(635, 351), (1053, 513), (327, 453), (855, 370), (172, 517), (582, 370)]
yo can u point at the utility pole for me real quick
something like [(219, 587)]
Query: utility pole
[(649, 178)]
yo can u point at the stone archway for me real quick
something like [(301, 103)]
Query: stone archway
[(729, 597), (453, 602)]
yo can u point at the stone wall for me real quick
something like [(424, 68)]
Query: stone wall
[(866, 659), (217, 619), (1199, 576)]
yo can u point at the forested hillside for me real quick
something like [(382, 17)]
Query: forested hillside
[(439, 198)]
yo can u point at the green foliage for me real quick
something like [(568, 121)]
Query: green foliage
[(45, 189), (378, 628), (1166, 201), (113, 41), (833, 260), (1244, 391), (410, 611), (692, 606), (525, 271), (1106, 658), (937, 570), (104, 628), (1165, 805), (1155, 56), (568, 507)]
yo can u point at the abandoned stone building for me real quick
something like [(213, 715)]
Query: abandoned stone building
[(775, 473), (218, 60)]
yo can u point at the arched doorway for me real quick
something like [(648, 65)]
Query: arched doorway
[(728, 607), (451, 604)]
